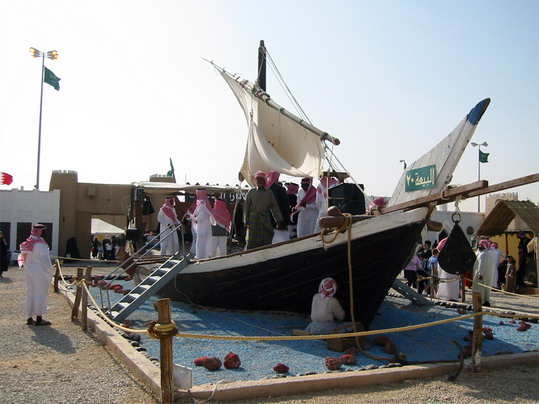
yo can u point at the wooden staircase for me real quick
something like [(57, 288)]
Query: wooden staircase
[(147, 288)]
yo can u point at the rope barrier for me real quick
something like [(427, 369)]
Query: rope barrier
[(437, 279), (58, 257), (441, 280), (157, 329), (107, 319), (62, 275), (502, 291), (352, 334)]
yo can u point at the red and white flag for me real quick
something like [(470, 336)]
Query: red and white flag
[(5, 178)]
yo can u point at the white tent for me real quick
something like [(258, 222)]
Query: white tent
[(100, 227)]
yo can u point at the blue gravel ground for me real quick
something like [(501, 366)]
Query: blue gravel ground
[(303, 357)]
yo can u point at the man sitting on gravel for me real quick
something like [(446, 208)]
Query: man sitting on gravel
[(326, 310)]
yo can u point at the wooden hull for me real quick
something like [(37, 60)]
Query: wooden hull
[(285, 277)]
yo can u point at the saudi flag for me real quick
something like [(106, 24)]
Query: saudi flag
[(52, 79), (483, 157), (170, 172)]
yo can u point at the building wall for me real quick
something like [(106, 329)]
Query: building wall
[(469, 223), (20, 206), (79, 202)]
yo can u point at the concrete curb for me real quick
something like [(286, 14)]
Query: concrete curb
[(149, 375), (326, 381)]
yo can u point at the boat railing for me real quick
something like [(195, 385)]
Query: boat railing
[(138, 257)]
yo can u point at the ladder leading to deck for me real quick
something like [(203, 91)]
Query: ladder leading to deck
[(147, 288)]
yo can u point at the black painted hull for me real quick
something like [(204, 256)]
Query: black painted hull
[(288, 282)]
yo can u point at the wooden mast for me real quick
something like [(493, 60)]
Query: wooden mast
[(261, 76)]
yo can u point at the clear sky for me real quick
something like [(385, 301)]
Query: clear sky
[(389, 78)]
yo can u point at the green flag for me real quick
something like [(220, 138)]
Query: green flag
[(483, 157), (170, 172), (52, 79)]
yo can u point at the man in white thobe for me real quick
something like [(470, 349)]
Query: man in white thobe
[(484, 268), (308, 212), (168, 221), (203, 220), (36, 260), (322, 199)]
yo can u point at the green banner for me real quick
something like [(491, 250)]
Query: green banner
[(420, 178), (483, 157), (52, 79)]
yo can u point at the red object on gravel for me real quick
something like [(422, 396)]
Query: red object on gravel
[(348, 359), (232, 361), (200, 361), (333, 363), (212, 363), (281, 368)]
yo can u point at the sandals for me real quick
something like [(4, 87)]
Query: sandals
[(42, 322), (38, 321)]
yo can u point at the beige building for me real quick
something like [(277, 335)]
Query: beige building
[(80, 202)]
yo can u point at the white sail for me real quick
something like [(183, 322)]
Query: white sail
[(275, 142)]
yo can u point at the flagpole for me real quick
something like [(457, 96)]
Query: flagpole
[(479, 177), (40, 114), (35, 53), (479, 170)]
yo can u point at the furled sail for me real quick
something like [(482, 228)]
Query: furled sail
[(275, 141)]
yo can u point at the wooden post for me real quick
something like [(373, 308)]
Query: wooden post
[(75, 310), (84, 307), (56, 277), (167, 358), (462, 288), (477, 340)]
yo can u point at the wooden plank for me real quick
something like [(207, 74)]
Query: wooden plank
[(466, 191), (445, 196), (529, 179)]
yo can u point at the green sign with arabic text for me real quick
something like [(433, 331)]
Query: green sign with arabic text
[(420, 178)]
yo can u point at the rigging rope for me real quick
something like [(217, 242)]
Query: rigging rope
[(288, 93)]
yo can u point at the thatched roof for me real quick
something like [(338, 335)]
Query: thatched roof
[(504, 212)]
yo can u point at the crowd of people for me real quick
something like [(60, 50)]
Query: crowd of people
[(106, 249), (492, 270), (272, 212)]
